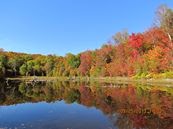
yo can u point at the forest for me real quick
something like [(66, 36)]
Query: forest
[(147, 54)]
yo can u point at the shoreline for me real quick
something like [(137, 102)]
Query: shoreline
[(163, 81)]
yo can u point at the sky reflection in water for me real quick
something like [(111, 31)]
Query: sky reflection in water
[(64, 105)]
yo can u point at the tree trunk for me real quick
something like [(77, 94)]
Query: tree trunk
[(170, 38)]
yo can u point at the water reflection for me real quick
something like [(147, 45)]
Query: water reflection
[(85, 105)]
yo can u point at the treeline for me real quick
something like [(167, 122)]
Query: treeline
[(139, 54)]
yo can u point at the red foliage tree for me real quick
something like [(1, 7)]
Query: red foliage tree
[(136, 40), (86, 60)]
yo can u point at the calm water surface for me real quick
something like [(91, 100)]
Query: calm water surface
[(69, 105)]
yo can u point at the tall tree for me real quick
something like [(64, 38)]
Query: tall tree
[(165, 20), (15, 63), (49, 65), (121, 37), (85, 65)]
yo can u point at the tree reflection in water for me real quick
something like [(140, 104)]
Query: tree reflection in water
[(127, 106)]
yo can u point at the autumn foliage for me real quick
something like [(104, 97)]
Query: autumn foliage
[(138, 54)]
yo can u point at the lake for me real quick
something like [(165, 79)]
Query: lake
[(85, 105)]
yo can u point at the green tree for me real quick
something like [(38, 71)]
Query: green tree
[(3, 63), (73, 60), (15, 64), (30, 69), (49, 65), (23, 70)]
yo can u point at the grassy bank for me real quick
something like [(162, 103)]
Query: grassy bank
[(127, 80), (166, 82)]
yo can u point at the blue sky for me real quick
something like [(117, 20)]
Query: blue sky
[(62, 26)]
